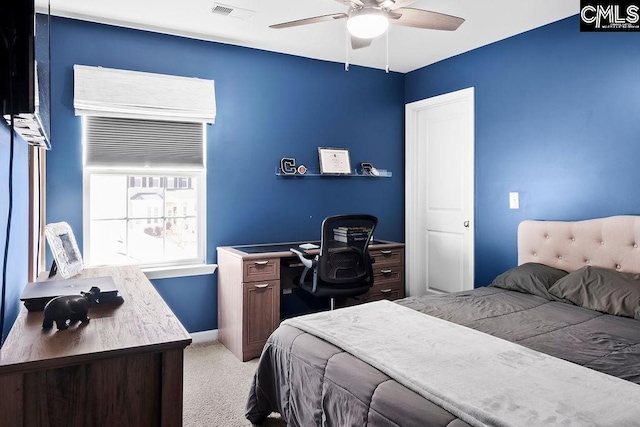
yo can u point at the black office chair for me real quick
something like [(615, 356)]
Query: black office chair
[(343, 267)]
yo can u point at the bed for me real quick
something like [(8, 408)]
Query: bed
[(553, 341)]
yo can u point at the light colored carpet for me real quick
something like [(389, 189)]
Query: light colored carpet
[(216, 386)]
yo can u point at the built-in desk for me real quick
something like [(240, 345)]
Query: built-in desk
[(251, 279), (123, 368)]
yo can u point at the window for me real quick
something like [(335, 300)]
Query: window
[(144, 194)]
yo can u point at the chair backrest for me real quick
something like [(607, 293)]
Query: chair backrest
[(344, 251)]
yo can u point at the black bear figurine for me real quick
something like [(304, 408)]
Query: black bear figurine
[(73, 308)]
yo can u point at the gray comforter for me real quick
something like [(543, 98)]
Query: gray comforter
[(311, 382)]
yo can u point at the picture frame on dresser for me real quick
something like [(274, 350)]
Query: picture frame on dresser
[(66, 254)]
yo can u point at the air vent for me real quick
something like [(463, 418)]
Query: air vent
[(231, 11), (222, 10)]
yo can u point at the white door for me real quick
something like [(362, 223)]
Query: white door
[(439, 193)]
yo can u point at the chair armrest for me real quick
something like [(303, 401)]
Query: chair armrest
[(308, 263)]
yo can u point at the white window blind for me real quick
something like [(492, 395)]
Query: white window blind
[(111, 141), (133, 94)]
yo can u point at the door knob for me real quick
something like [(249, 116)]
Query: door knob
[(466, 224)]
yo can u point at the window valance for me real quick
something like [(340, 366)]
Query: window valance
[(110, 92)]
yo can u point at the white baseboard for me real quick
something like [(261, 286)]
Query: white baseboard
[(435, 292), (204, 336)]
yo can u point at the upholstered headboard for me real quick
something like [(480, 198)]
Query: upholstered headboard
[(612, 242)]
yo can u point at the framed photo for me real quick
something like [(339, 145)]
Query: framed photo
[(334, 161), (66, 254)]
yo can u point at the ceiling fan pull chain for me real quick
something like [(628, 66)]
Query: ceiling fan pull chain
[(387, 67), (346, 61)]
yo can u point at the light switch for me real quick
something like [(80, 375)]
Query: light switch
[(514, 200)]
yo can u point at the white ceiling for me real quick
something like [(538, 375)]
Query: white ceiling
[(409, 48)]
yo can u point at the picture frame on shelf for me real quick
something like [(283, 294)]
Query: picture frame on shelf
[(67, 257), (334, 161)]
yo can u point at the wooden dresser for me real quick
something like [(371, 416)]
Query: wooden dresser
[(249, 288), (123, 368)]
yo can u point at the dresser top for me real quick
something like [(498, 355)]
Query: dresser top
[(142, 323)]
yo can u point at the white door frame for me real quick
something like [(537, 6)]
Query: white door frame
[(414, 284)]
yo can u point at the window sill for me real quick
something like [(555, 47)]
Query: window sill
[(179, 271)]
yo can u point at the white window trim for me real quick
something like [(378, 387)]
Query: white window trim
[(100, 91)]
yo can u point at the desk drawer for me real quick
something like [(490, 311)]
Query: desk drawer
[(261, 315), (261, 269), (387, 274), (387, 256), (387, 293), (390, 291), (386, 290)]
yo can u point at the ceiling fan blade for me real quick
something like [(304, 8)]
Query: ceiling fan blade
[(418, 18), (358, 43), (350, 2), (394, 4), (306, 21)]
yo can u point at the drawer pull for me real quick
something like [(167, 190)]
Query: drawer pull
[(262, 286), (386, 271), (386, 252), (261, 262), (385, 291)]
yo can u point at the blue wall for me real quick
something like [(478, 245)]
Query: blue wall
[(269, 106), (557, 119), (17, 262)]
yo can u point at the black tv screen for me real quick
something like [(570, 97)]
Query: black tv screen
[(17, 60)]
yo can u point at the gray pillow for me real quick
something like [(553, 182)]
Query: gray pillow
[(601, 289), (530, 278)]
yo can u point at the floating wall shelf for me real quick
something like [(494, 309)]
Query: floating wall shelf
[(382, 173)]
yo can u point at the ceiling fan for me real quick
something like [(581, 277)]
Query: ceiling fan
[(367, 19)]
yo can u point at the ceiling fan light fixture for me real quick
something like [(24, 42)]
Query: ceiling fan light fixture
[(367, 23)]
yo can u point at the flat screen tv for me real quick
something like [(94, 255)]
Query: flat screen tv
[(17, 62)]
